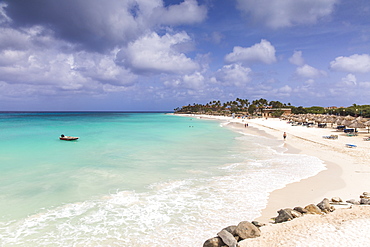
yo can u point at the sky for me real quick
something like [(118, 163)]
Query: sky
[(157, 55)]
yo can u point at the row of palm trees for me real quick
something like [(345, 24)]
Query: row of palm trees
[(246, 107), (241, 106)]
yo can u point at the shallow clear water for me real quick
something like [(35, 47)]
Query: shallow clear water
[(133, 179)]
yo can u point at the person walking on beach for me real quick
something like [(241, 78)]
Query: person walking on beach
[(284, 136)]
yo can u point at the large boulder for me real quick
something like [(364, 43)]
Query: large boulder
[(230, 229), (365, 201), (353, 201), (325, 206), (284, 215), (246, 229), (214, 242), (301, 210), (336, 200), (365, 195), (227, 238), (313, 209)]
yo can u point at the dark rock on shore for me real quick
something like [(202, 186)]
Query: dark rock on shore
[(231, 229), (365, 201), (313, 209), (325, 206), (227, 238), (286, 215), (258, 224), (231, 235), (214, 242), (353, 201), (246, 229), (336, 200), (301, 210)]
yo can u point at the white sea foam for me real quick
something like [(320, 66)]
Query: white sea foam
[(173, 213)]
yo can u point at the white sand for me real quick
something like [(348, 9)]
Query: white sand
[(347, 176)]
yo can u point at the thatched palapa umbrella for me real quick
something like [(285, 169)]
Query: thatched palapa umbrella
[(356, 124), (367, 124)]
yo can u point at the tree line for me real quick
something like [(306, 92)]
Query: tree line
[(245, 107)]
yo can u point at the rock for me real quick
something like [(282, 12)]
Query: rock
[(246, 229), (353, 201), (231, 229), (324, 205), (227, 238), (258, 224), (214, 242), (313, 209), (365, 201), (295, 214), (284, 215), (336, 200), (301, 210), (365, 195)]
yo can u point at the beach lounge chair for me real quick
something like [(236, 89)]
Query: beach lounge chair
[(367, 138), (333, 137), (350, 145)]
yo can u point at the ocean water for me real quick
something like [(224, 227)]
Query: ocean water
[(133, 179)]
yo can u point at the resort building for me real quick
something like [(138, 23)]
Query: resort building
[(269, 112)]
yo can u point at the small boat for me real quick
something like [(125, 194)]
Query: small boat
[(68, 138)]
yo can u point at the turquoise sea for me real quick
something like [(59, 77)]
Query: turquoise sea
[(133, 179)]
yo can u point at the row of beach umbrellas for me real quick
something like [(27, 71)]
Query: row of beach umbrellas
[(348, 121)]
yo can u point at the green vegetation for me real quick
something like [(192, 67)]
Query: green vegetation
[(257, 107)]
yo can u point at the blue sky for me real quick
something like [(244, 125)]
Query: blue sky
[(122, 55)]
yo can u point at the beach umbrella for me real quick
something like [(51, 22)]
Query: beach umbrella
[(356, 124), (331, 120), (367, 124), (346, 122), (349, 117), (338, 121), (360, 119)]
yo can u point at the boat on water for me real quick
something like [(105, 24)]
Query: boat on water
[(68, 138)]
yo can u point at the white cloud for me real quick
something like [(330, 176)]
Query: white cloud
[(233, 74), (308, 71), (195, 81), (101, 25), (297, 58), (277, 13), (155, 54), (352, 64), (285, 89), (364, 84), (3, 16), (40, 64), (262, 52), (349, 80), (187, 12)]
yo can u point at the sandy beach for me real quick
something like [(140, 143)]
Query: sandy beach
[(346, 176)]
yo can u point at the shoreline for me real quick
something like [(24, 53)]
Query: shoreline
[(347, 169), (314, 188)]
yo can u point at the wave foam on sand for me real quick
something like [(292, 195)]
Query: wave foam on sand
[(347, 176)]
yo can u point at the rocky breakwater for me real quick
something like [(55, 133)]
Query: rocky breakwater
[(231, 235)]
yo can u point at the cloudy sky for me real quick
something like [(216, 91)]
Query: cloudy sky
[(122, 55)]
